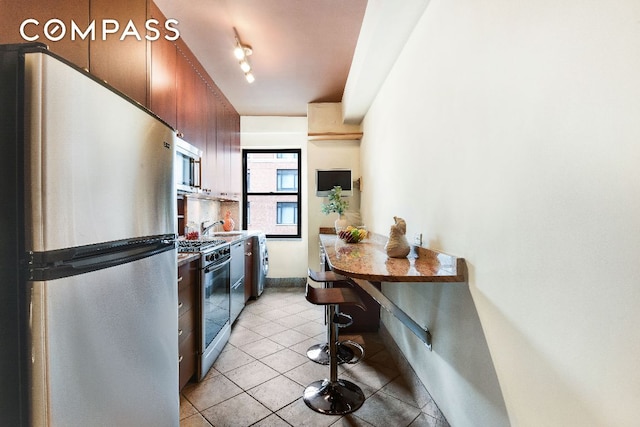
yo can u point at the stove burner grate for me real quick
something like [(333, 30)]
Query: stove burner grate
[(198, 245)]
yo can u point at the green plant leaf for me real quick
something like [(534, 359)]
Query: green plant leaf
[(336, 203)]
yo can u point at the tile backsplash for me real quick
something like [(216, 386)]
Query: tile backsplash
[(200, 209)]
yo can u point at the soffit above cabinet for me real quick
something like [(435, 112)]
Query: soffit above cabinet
[(325, 123)]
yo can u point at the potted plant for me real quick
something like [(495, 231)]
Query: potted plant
[(336, 204)]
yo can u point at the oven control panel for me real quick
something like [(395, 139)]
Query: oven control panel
[(218, 254)]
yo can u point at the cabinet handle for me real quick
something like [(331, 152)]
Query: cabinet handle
[(179, 332), (180, 304), (180, 359), (179, 279)]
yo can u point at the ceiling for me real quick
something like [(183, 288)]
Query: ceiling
[(302, 49)]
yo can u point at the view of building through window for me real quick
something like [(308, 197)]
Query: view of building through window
[(271, 192)]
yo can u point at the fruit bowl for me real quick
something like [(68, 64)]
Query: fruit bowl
[(353, 234)]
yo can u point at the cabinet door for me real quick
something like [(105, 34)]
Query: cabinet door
[(188, 315), (121, 63), (363, 321), (15, 12), (235, 166), (190, 101), (210, 162), (223, 150), (249, 245), (185, 86), (199, 120), (187, 359), (162, 79)]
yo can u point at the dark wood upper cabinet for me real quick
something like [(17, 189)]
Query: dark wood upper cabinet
[(191, 99), (200, 117), (162, 74), (236, 156), (13, 13), (210, 162), (186, 113), (224, 150), (121, 63)]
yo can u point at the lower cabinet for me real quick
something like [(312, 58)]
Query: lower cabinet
[(187, 320), (236, 272), (363, 321), (249, 244)]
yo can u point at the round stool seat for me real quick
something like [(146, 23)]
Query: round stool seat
[(326, 276), (333, 397)]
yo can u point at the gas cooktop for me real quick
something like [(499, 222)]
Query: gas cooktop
[(199, 245)]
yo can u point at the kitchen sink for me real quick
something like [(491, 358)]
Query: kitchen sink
[(227, 233)]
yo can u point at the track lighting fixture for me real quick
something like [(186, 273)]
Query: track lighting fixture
[(242, 52)]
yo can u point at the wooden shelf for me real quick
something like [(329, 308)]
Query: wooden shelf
[(334, 136)]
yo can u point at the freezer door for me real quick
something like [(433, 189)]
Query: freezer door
[(105, 346), (98, 167)]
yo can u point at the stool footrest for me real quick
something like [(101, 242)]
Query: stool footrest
[(342, 320), (319, 353)]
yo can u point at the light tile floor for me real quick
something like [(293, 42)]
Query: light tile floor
[(259, 378)]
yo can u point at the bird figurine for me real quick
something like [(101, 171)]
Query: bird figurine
[(397, 246)]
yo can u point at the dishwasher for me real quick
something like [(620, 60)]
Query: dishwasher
[(237, 279)]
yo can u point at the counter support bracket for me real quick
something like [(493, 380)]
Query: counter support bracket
[(422, 333)]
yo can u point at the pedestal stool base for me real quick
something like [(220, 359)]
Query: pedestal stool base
[(333, 398)]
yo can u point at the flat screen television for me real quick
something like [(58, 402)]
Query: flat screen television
[(326, 179)]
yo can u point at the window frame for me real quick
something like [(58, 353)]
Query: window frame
[(246, 193)]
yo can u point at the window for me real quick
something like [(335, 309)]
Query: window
[(287, 179), (271, 195), (287, 213)]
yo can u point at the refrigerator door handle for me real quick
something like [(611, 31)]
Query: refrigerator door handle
[(66, 263)]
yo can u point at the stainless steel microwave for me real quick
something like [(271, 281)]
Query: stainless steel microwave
[(188, 167)]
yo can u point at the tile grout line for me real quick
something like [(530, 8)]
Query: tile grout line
[(252, 311)]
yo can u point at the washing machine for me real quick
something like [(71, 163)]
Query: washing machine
[(261, 266)]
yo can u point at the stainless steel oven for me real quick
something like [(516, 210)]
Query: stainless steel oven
[(215, 301), (215, 289)]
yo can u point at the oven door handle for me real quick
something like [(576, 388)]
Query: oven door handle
[(216, 266)]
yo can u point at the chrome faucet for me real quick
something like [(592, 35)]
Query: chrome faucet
[(204, 230)]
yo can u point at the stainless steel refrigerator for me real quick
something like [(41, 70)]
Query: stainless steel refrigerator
[(88, 312)]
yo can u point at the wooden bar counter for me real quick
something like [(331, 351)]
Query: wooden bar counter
[(368, 260), (367, 265)]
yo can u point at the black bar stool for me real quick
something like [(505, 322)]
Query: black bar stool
[(333, 396), (319, 353)]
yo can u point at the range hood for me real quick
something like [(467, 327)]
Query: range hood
[(325, 123)]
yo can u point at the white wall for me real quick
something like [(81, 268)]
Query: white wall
[(328, 155), (292, 257), (287, 257), (509, 134)]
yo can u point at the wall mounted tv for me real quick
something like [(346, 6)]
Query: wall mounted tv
[(326, 179)]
